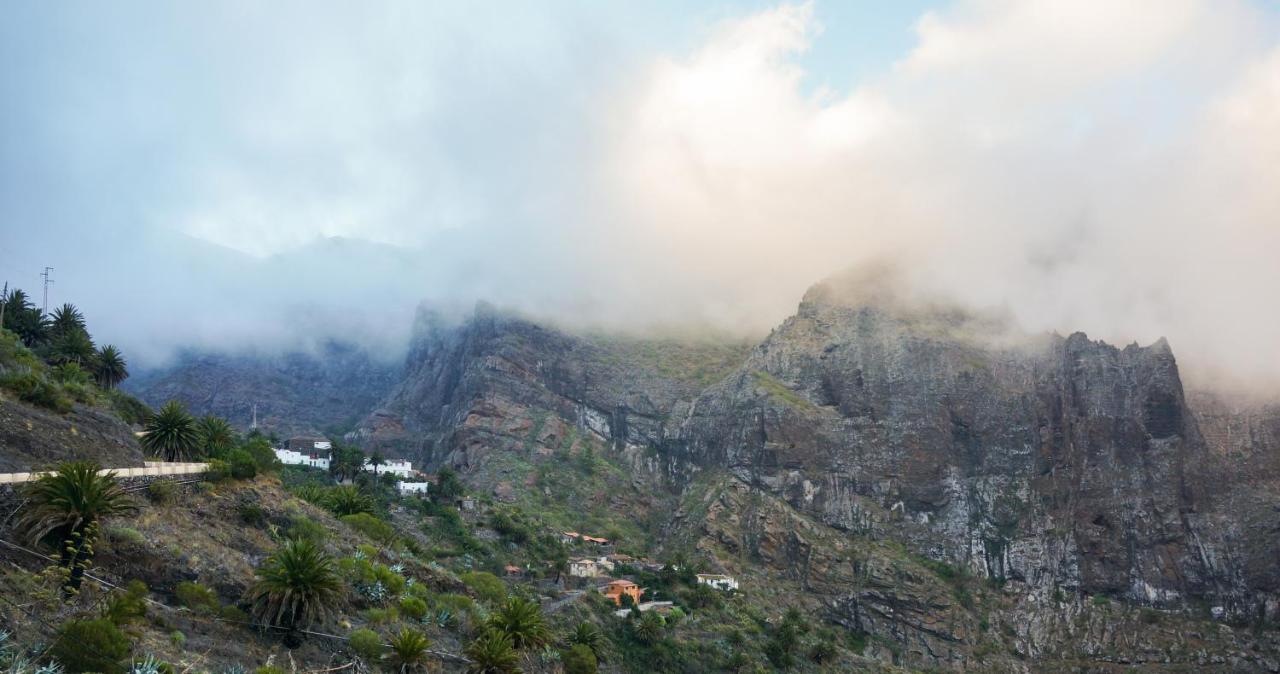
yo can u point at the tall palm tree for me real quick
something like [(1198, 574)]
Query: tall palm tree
[(521, 620), (216, 435), (25, 319), (73, 347), (66, 320), (295, 586), (171, 433), (409, 650), (67, 504), (376, 460), (112, 368), (492, 653)]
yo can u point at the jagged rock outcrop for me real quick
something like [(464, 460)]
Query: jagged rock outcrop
[(1060, 468), (298, 392)]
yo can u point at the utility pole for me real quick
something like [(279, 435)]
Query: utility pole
[(44, 311), (4, 301)]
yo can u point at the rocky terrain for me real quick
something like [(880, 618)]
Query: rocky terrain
[(929, 477), (32, 438), (296, 392)]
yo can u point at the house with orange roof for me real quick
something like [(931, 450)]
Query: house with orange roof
[(615, 589)]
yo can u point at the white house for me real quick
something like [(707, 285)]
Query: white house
[(400, 467), (417, 488), (309, 452), (718, 581), (590, 568)]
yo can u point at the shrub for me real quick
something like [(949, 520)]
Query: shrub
[(268, 669), (1101, 600), (218, 471), (486, 585), (413, 607), (347, 500), (578, 659), (251, 514), (126, 535), (370, 526), (177, 638), (366, 643), (126, 606), (91, 646), (243, 467), (31, 387), (381, 616), (162, 492), (305, 528), (197, 597)]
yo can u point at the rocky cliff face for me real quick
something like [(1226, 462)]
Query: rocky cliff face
[(885, 436), (295, 392)]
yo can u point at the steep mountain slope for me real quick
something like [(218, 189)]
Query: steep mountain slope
[(296, 392), (906, 469)]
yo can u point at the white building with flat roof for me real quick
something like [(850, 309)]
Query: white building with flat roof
[(398, 467), (718, 581), (311, 459), (415, 488)]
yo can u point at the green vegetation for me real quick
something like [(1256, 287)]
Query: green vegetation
[(367, 644), (296, 586), (409, 649), (95, 645), (782, 392), (66, 505), (51, 361), (492, 653), (521, 620), (171, 433)]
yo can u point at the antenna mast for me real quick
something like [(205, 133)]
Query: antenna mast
[(44, 311)]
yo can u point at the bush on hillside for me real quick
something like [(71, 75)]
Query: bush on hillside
[(91, 646), (371, 526), (243, 467), (486, 585), (367, 644)]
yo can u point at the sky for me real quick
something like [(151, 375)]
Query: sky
[(244, 175)]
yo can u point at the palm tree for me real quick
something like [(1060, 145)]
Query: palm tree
[(65, 320), (492, 653), (347, 500), (295, 586), (590, 636), (216, 435), (376, 460), (171, 433), (73, 347), (521, 619), (25, 319), (409, 649), (112, 367), (68, 503), (649, 628)]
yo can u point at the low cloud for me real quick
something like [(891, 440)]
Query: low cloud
[(1099, 166)]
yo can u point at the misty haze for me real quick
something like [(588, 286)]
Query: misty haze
[(937, 335)]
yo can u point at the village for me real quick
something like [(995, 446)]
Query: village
[(599, 568)]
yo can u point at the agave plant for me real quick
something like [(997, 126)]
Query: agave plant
[(445, 618), (374, 593), (68, 503), (295, 586), (148, 665), (492, 653)]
